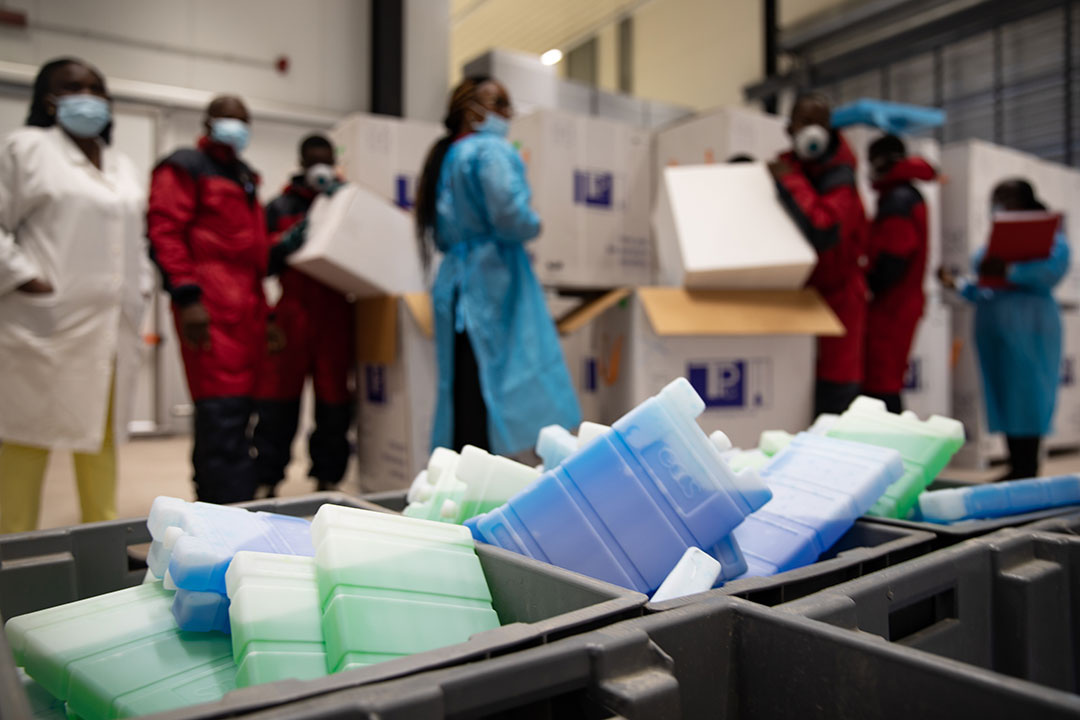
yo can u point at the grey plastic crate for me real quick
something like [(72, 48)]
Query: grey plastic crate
[(722, 658), (863, 549), (536, 602), (950, 534), (1009, 602), (1064, 524), (49, 567)]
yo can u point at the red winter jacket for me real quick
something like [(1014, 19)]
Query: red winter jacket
[(208, 237), (822, 198), (898, 251)]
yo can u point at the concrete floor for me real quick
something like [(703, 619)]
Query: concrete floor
[(150, 467), (161, 466)]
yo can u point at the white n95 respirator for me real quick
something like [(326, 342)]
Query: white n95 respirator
[(811, 142), (320, 177)]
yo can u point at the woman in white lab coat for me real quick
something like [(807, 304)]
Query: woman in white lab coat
[(73, 284)]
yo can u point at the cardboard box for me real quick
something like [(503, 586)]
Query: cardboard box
[(724, 227), (718, 134), (928, 381), (590, 184), (360, 244), (974, 168), (929, 149), (385, 154), (1066, 433), (749, 354), (397, 377)]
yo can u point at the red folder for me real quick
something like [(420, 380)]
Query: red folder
[(1019, 237)]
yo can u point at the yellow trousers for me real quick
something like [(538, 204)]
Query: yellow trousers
[(22, 473)]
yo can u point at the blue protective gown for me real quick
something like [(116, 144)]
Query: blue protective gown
[(1018, 335), (486, 286)]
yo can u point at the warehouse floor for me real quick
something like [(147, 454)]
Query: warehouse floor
[(161, 466)]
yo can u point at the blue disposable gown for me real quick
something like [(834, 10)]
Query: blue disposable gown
[(1018, 335), (486, 286)]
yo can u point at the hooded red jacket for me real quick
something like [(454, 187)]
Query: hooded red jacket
[(208, 238), (898, 252), (823, 200)]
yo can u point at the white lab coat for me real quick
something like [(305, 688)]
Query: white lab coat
[(82, 230)]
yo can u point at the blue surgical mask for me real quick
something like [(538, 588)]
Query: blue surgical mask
[(493, 123), (230, 131), (997, 208), (84, 116)]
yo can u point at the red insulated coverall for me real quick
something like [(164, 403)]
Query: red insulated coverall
[(317, 322), (822, 198), (208, 237), (898, 251)]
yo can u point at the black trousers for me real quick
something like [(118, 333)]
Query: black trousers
[(328, 445), (222, 454), (833, 398), (470, 410), (1023, 457)]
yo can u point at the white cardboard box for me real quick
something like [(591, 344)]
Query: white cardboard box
[(590, 184), (397, 378), (385, 154), (750, 355), (716, 135), (723, 227), (360, 244), (929, 149), (928, 381), (1066, 434), (974, 168)]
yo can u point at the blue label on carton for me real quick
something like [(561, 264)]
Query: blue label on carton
[(1068, 371), (593, 188), (913, 375), (375, 384), (403, 192), (731, 384), (590, 375)]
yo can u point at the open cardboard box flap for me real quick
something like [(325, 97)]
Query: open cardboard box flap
[(678, 311), (377, 326)]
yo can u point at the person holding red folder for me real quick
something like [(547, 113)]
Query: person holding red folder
[(1018, 332)]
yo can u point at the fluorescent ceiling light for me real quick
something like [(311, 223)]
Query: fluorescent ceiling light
[(551, 57)]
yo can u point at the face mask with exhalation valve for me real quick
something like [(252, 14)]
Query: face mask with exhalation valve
[(811, 143)]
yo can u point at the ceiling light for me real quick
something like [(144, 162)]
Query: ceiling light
[(551, 57)]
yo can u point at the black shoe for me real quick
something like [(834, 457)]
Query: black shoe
[(322, 486)]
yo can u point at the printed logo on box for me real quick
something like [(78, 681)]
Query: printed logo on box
[(593, 188), (732, 384), (404, 191), (375, 384), (603, 370), (913, 375), (1068, 371)]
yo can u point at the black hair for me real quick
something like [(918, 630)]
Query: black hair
[(887, 145), (1024, 191), (39, 115), (315, 140), (740, 158), (460, 98)]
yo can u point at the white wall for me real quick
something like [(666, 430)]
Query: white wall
[(326, 41)]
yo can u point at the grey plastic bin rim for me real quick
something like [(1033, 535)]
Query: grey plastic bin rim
[(849, 558), (973, 528), (633, 675)]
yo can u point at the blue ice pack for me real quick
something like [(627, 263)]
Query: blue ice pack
[(892, 117), (194, 544), (1000, 499), (820, 486), (626, 506)]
